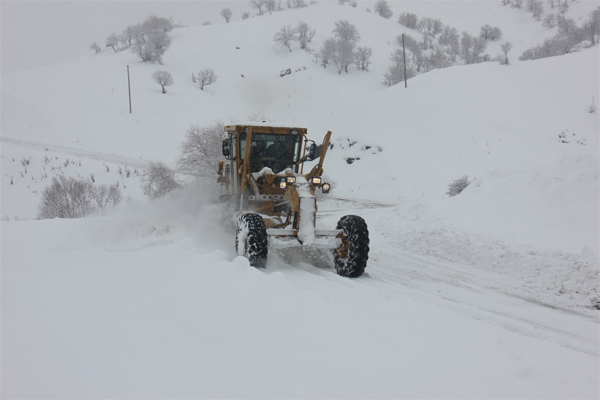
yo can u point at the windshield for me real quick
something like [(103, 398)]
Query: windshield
[(271, 150)]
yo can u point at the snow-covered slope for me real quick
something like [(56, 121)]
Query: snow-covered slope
[(490, 293), (497, 124)]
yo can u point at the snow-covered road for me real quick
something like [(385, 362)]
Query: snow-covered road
[(150, 303)]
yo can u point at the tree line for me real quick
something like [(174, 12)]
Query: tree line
[(149, 39)]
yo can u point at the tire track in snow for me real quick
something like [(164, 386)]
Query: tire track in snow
[(483, 295), (484, 299), (480, 302)]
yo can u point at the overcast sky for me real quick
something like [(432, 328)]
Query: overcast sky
[(38, 33)]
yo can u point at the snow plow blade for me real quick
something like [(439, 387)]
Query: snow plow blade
[(324, 239)]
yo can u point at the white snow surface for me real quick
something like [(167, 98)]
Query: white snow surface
[(489, 294)]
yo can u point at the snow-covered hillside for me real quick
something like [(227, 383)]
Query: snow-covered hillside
[(491, 293)]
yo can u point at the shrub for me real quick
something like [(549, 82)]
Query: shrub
[(456, 187), (159, 180), (67, 197), (593, 107), (105, 196), (383, 9), (408, 20)]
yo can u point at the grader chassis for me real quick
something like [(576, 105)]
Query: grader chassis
[(273, 201)]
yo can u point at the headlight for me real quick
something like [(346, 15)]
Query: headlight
[(290, 180), (280, 182), (316, 180), (326, 188)]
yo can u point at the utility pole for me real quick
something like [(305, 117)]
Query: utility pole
[(404, 55), (129, 86)]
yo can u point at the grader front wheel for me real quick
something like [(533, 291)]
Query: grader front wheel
[(351, 257), (251, 239)]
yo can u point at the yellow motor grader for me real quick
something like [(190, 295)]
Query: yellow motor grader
[(273, 200)]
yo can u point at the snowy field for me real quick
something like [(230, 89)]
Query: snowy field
[(489, 294)]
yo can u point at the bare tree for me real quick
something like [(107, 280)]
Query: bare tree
[(206, 77), (430, 26), (158, 180), (327, 51), (591, 28), (151, 47), (488, 32), (496, 33), (383, 9), (151, 39), (550, 21), (270, 5), (305, 34), (130, 33), (285, 36), (94, 46), (296, 4), (346, 32), (163, 78), (439, 58), (563, 7), (113, 42), (154, 23), (226, 13), (362, 58), (395, 73), (344, 55), (566, 26), (506, 47), (450, 37), (258, 5), (201, 150), (536, 7), (472, 48)]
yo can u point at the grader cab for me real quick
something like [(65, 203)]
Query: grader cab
[(273, 200)]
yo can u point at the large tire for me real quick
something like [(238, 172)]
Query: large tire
[(251, 239), (351, 258)]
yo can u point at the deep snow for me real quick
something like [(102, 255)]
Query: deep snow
[(487, 294)]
